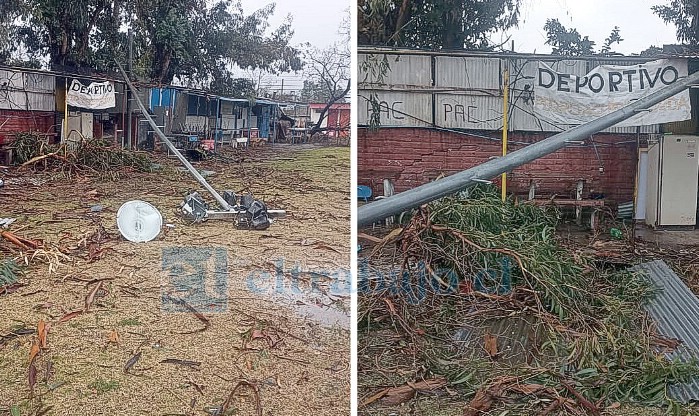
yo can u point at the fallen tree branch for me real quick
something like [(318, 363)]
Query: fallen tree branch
[(20, 242), (256, 393), (42, 157)]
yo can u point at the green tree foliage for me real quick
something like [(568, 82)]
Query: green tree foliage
[(613, 38), (195, 41), (233, 87), (568, 42), (313, 92), (652, 51), (684, 14), (434, 24)]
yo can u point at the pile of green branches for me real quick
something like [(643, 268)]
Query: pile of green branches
[(27, 146), (101, 156), (89, 155), (598, 338)]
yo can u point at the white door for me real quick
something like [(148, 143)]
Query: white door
[(642, 185)]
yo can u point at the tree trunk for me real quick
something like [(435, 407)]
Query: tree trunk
[(452, 16), (164, 67), (85, 38), (403, 15)]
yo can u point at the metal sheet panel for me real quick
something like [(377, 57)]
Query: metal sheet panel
[(468, 73), (468, 112), (41, 102), (194, 124), (13, 100), (675, 310), (403, 70), (397, 109), (11, 80), (653, 128), (39, 83), (23, 91), (592, 63)]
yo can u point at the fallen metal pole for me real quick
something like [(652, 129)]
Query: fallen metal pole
[(222, 202), (413, 198)]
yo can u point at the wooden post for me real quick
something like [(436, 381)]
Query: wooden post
[(65, 115)]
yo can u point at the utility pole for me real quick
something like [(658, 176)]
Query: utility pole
[(129, 121)]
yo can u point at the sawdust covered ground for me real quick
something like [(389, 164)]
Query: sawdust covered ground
[(282, 332)]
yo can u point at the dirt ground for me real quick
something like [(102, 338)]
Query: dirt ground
[(276, 340)]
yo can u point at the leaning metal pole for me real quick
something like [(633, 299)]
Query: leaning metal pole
[(413, 198), (222, 202)]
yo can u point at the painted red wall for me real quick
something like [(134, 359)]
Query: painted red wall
[(411, 157), (15, 121), (339, 117)]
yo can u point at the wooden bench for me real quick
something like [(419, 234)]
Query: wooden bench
[(579, 203)]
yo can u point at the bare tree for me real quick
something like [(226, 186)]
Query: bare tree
[(330, 69)]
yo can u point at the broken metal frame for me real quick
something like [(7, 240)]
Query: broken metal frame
[(416, 197), (229, 211)]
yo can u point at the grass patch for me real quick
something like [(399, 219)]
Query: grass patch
[(130, 322), (322, 157), (102, 386)]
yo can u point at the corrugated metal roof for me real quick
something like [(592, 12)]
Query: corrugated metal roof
[(675, 309), (518, 337), (265, 102), (518, 55), (233, 100)]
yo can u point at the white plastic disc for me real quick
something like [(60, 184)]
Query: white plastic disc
[(139, 221)]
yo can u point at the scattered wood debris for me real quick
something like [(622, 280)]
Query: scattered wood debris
[(401, 394)]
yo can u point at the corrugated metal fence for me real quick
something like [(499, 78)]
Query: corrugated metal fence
[(26, 91), (460, 91)]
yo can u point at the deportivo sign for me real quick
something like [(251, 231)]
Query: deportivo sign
[(562, 98), (97, 95)]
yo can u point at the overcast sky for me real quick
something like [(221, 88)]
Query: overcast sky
[(314, 21), (639, 27)]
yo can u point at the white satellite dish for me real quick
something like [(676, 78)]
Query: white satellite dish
[(139, 221)]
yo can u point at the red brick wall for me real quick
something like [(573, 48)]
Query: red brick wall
[(411, 157), (14, 121)]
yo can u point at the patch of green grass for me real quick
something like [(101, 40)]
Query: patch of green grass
[(322, 157), (103, 386), (130, 322)]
